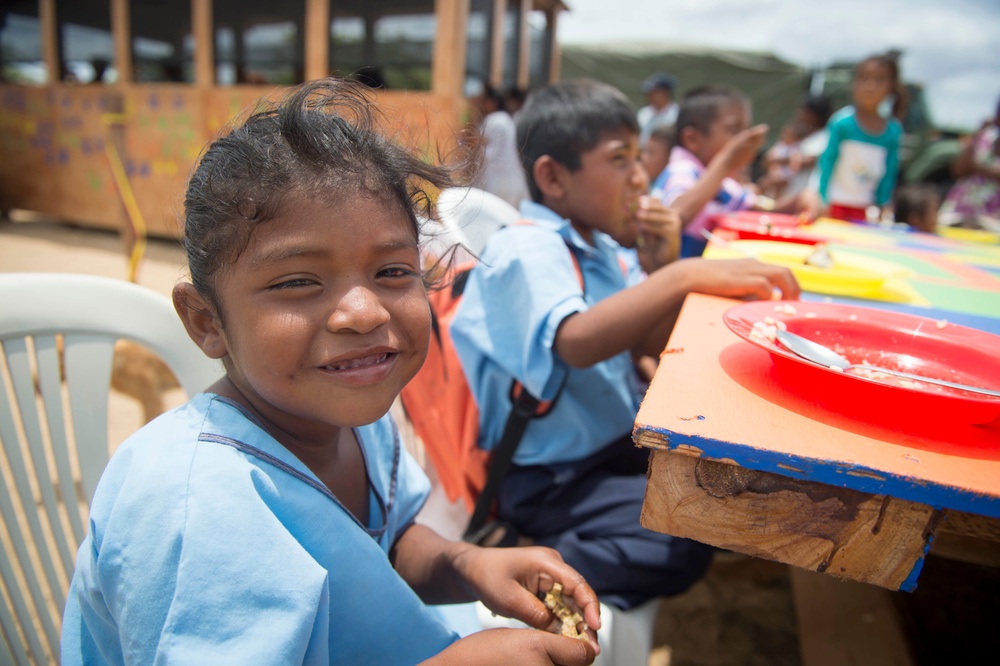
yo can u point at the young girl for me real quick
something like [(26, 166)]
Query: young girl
[(861, 161), (271, 518)]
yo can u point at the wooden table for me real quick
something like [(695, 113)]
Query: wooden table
[(745, 464)]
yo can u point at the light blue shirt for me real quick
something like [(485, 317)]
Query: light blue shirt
[(211, 543), (519, 293)]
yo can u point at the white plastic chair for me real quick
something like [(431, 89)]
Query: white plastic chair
[(54, 429), (468, 216)]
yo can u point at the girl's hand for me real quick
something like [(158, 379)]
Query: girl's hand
[(659, 234), (511, 582), (515, 646)]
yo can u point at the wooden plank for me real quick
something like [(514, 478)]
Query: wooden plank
[(524, 45), (497, 42), (121, 33), (448, 71), (842, 532), (204, 39), (843, 622), (49, 25), (317, 26)]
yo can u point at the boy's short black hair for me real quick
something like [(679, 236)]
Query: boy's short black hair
[(701, 106), (566, 119)]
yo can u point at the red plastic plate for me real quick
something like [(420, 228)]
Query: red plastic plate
[(919, 345)]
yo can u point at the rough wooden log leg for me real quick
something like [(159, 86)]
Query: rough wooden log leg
[(846, 533)]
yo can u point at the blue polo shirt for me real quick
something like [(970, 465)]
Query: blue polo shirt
[(518, 294), (211, 543)]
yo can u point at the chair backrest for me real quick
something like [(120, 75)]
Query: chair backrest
[(58, 333), (472, 215)]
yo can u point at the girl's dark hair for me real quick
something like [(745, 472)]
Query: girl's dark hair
[(321, 140), (701, 106), (564, 120), (890, 61)]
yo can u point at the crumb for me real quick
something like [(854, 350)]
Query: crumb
[(554, 602), (673, 350), (941, 323), (853, 317), (810, 315), (785, 309)]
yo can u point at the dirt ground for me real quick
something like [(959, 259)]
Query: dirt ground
[(741, 614)]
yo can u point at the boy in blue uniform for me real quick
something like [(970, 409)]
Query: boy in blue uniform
[(577, 482)]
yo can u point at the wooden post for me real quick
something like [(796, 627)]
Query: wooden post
[(448, 68), (204, 43), (554, 54), (497, 43), (51, 41), (121, 34), (317, 39), (524, 46)]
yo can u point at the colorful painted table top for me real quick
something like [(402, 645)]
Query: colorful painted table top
[(960, 280), (717, 396)]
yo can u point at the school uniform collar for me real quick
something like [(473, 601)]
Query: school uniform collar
[(546, 218)]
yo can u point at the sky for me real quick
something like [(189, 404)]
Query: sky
[(952, 47)]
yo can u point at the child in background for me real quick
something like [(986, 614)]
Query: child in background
[(656, 150), (500, 170), (813, 113), (860, 165), (917, 206), (974, 200), (782, 161), (270, 519), (715, 144), (550, 307)]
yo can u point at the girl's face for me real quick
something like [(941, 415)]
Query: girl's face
[(873, 82), (324, 317)]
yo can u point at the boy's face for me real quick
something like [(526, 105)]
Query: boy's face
[(324, 316), (732, 119), (603, 194)]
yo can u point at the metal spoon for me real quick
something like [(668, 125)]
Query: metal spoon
[(817, 353)]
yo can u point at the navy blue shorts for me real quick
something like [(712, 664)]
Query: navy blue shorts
[(588, 510)]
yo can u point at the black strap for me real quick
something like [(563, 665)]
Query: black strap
[(524, 407), (522, 410)]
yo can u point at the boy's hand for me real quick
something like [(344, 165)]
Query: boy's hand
[(510, 582), (742, 278), (740, 151), (518, 646), (659, 234)]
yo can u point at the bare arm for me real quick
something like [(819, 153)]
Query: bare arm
[(736, 154), (507, 580), (640, 318)]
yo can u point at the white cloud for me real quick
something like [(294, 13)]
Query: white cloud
[(952, 47)]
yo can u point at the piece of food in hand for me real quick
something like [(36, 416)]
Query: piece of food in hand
[(570, 619)]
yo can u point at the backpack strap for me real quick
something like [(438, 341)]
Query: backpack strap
[(524, 407)]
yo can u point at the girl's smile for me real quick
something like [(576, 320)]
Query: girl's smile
[(323, 317)]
